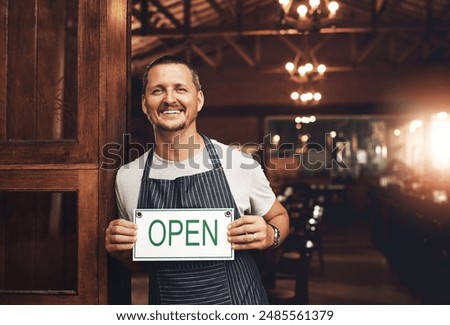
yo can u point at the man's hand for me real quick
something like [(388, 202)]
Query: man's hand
[(250, 232), (120, 235)]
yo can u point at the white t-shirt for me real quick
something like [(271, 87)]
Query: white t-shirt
[(248, 183)]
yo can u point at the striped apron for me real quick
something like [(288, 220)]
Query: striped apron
[(236, 282)]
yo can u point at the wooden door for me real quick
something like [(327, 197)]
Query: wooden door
[(63, 99)]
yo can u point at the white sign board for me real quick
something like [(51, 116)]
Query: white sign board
[(182, 234)]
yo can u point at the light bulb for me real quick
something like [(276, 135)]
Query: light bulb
[(302, 10), (309, 95), (290, 66), (302, 70), (317, 96), (321, 68), (333, 6), (309, 67), (295, 95), (314, 4), (312, 118)]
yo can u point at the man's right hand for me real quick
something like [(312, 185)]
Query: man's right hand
[(120, 235)]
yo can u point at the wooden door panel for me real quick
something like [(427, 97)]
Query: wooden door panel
[(48, 237), (50, 84)]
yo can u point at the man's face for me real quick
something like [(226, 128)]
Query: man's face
[(171, 101)]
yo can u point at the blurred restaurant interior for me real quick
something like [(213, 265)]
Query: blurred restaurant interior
[(345, 104)]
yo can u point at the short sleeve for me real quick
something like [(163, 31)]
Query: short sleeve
[(261, 194), (119, 199)]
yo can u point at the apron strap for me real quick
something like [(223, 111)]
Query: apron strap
[(212, 152)]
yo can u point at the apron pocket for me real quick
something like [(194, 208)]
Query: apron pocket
[(203, 286)]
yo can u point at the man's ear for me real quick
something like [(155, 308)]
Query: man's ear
[(200, 100), (143, 106)]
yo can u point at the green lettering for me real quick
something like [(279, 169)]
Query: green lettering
[(171, 230), (206, 228), (191, 232), (150, 233)]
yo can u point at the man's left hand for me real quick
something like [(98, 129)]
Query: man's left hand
[(250, 232)]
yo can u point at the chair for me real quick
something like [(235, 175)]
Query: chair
[(293, 265)]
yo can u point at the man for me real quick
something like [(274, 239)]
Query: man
[(188, 170)]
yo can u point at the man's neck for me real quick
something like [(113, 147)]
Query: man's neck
[(178, 146)]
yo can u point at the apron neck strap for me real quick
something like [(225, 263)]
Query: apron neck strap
[(212, 152)]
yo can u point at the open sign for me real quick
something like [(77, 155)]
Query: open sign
[(182, 234)]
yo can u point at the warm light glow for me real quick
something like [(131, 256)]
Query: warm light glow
[(298, 126), (290, 66), (378, 150), (295, 95), (309, 67), (302, 10), (304, 97), (302, 70), (414, 125), (314, 4), (286, 4), (397, 132), (309, 95), (333, 134), (309, 244), (333, 6), (276, 138), (442, 115), (321, 69), (304, 138), (312, 118), (317, 96), (305, 120), (440, 134), (298, 119)]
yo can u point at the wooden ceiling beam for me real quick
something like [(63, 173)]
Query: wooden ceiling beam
[(209, 31), (242, 52), (187, 16), (204, 56), (217, 8), (369, 48), (166, 13)]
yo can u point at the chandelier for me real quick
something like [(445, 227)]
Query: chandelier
[(309, 15), (307, 76)]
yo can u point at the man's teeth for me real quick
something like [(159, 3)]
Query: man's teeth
[(172, 112)]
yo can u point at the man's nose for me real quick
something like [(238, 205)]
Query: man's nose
[(170, 97)]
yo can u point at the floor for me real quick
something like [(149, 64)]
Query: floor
[(354, 272)]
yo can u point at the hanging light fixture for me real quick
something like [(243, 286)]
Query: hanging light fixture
[(305, 72), (309, 15), (307, 75)]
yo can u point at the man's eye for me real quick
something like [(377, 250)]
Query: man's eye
[(181, 90), (156, 91)]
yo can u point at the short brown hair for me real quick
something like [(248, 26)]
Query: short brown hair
[(170, 59)]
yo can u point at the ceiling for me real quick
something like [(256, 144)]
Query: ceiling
[(365, 34)]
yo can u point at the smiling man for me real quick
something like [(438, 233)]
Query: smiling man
[(187, 170)]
